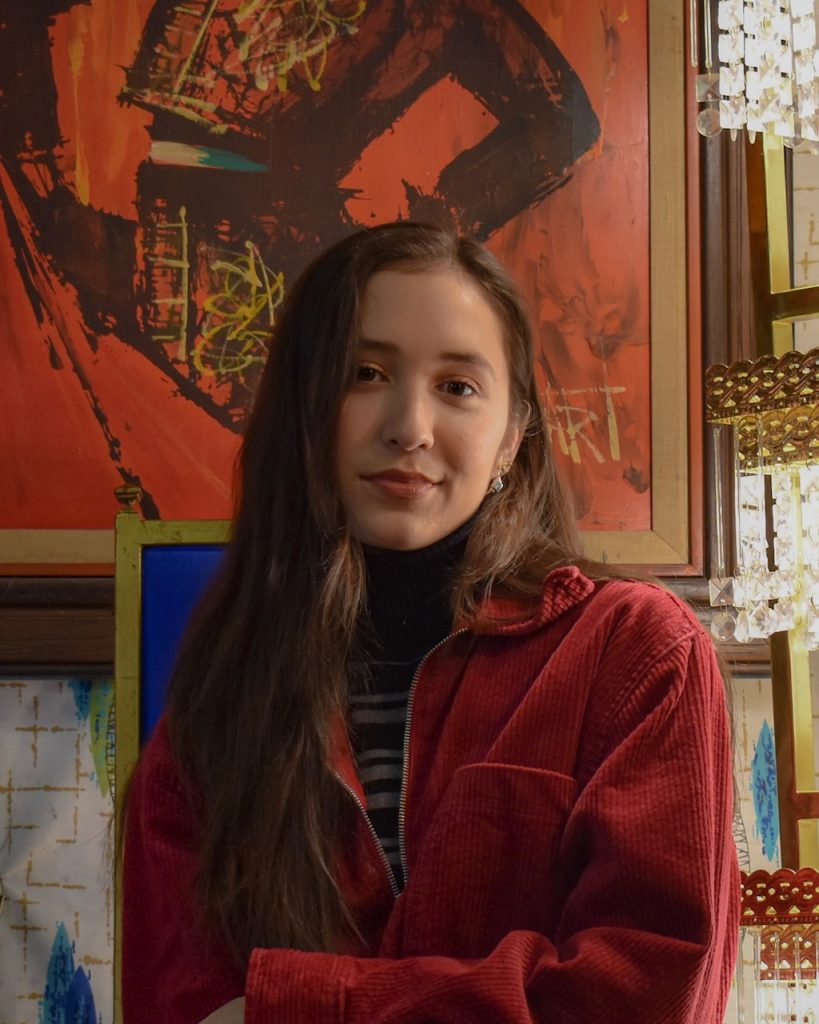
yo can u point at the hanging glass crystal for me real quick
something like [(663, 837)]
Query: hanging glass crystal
[(731, 15), (743, 633), (731, 82), (722, 587), (768, 73), (731, 47), (709, 119), (804, 33)]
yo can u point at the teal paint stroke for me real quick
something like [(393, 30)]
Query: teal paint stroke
[(181, 154), (765, 794), (81, 688), (92, 701), (102, 697), (67, 998)]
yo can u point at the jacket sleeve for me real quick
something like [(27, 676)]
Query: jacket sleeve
[(648, 932), (170, 972)]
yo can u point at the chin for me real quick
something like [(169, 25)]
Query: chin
[(399, 538), (397, 541)]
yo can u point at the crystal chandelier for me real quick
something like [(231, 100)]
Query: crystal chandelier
[(769, 410), (767, 78)]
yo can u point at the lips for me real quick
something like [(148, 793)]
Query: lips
[(398, 484)]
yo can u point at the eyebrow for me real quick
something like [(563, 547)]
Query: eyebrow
[(466, 358)]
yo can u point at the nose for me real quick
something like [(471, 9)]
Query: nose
[(408, 420)]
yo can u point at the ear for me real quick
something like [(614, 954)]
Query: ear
[(515, 429), (511, 441)]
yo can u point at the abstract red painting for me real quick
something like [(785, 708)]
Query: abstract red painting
[(167, 169)]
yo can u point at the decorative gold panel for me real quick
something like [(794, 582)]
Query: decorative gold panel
[(784, 908), (773, 405), (747, 388)]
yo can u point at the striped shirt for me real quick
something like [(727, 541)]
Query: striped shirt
[(409, 613)]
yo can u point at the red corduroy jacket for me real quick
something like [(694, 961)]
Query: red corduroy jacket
[(567, 838)]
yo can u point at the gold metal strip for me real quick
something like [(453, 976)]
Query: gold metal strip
[(809, 843), (776, 203), (795, 304)]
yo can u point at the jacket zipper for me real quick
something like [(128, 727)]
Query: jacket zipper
[(386, 864), (404, 772)]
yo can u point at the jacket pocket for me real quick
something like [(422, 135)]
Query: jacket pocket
[(488, 861)]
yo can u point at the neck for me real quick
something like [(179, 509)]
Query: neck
[(409, 593)]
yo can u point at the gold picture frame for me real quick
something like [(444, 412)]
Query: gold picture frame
[(133, 535), (667, 545)]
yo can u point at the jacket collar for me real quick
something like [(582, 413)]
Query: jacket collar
[(563, 589), (506, 615)]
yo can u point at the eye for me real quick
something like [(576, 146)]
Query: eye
[(459, 388), (366, 374)]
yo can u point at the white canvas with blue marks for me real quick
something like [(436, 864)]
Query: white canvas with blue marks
[(755, 773), (56, 929)]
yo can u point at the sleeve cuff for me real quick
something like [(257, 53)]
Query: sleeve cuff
[(285, 986)]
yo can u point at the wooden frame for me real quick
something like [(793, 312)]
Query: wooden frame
[(56, 552)]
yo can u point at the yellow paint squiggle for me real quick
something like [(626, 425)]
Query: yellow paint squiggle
[(238, 318), (286, 34)]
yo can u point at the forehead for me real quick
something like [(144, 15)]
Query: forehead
[(438, 303)]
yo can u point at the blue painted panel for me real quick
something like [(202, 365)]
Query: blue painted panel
[(174, 576)]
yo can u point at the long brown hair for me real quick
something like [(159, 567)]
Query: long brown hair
[(262, 673)]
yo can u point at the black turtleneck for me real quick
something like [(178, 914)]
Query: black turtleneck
[(408, 597)]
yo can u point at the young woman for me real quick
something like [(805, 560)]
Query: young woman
[(421, 763)]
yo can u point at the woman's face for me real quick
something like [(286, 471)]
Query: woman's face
[(426, 423)]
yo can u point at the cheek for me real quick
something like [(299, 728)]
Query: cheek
[(483, 442), (474, 453), (349, 432), (359, 411)]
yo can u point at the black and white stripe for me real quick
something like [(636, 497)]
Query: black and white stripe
[(408, 602), (377, 721)]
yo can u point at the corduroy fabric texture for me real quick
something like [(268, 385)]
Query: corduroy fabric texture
[(568, 841)]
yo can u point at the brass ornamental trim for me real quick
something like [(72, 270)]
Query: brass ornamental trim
[(748, 388)]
